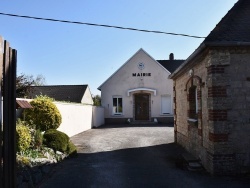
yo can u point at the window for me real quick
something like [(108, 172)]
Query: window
[(117, 105), (193, 102), (166, 104)]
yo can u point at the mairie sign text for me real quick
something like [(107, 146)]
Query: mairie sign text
[(140, 74)]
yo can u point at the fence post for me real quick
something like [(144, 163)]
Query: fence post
[(9, 116), (1, 113)]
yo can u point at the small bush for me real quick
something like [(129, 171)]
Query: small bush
[(30, 153), (56, 140), (22, 161), (31, 128), (23, 137), (44, 114), (71, 149)]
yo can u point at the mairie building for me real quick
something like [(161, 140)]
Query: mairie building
[(140, 90)]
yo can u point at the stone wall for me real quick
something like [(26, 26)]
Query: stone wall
[(31, 177), (221, 135), (229, 87), (190, 128), (238, 114)]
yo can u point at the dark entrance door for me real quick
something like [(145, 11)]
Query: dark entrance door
[(141, 106)]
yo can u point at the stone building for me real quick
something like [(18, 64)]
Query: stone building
[(136, 93), (212, 96)]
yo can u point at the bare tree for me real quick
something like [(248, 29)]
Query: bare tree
[(24, 83), (39, 80)]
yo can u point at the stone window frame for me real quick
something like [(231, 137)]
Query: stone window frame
[(193, 102)]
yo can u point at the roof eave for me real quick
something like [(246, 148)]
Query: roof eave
[(227, 43), (99, 88), (192, 56), (202, 47)]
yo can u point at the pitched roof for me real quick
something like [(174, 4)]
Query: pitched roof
[(70, 93), (234, 26), (232, 30), (170, 65)]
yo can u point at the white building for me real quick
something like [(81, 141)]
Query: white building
[(140, 90)]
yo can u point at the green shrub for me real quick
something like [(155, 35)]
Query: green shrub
[(23, 137), (30, 153), (44, 114), (56, 140), (22, 161), (71, 149), (31, 130)]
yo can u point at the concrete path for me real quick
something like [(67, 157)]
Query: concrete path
[(138, 156)]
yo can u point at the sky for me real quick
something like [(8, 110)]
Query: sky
[(71, 54)]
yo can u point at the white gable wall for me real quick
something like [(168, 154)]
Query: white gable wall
[(123, 80), (87, 97)]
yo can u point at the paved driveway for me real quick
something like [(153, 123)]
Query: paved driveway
[(138, 156)]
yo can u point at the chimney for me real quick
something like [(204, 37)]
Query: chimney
[(171, 56)]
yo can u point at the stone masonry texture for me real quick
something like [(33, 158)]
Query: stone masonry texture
[(221, 139)]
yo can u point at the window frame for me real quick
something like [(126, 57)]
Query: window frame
[(193, 102), (196, 100), (116, 112), (166, 96)]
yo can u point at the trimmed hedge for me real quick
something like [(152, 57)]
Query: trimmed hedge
[(56, 140), (44, 114)]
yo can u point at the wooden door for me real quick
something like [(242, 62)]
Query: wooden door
[(141, 106)]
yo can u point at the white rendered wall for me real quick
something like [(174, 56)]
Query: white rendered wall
[(122, 81), (98, 116), (77, 118), (87, 97)]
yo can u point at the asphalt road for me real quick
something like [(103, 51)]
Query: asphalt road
[(123, 157)]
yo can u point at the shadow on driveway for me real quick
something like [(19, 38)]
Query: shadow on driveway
[(152, 166)]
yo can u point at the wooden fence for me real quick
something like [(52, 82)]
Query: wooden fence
[(8, 62)]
